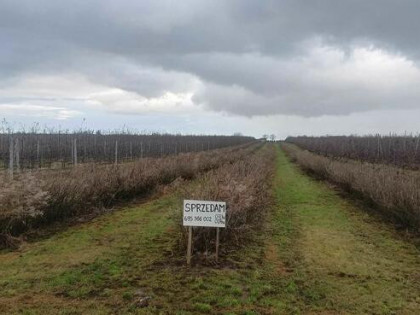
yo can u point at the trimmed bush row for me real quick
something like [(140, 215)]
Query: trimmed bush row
[(39, 197), (395, 190), (401, 151), (246, 187)]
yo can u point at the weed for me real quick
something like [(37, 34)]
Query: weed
[(202, 307)]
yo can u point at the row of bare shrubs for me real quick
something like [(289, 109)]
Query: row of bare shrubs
[(246, 187), (34, 198), (394, 190), (401, 151)]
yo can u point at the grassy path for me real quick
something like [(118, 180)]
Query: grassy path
[(344, 261), (91, 268), (316, 254)]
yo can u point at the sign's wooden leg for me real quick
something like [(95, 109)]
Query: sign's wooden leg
[(217, 244), (189, 245)]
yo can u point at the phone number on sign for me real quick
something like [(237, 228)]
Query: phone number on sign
[(190, 218)]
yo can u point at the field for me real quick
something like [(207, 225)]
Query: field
[(108, 239)]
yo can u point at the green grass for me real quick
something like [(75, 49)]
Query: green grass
[(317, 253), (347, 262), (91, 261)]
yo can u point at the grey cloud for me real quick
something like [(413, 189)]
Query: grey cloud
[(249, 57), (308, 103), (146, 80), (224, 26)]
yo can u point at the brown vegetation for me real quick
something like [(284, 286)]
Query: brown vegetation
[(396, 191), (38, 197), (246, 187), (403, 151)]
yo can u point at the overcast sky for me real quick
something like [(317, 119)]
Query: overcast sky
[(286, 67)]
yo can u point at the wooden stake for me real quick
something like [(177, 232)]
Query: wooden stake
[(116, 152), (11, 156), (141, 149), (17, 154), (189, 245), (217, 244), (38, 154), (75, 152)]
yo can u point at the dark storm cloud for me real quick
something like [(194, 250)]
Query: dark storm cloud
[(250, 57), (225, 26)]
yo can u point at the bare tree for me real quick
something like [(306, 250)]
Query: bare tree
[(70, 148)]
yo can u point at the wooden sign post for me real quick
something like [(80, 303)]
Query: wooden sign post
[(217, 244), (189, 249), (204, 214)]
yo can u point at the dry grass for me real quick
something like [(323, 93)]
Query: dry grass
[(396, 191), (46, 196)]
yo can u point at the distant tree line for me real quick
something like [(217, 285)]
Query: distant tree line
[(26, 150), (403, 151)]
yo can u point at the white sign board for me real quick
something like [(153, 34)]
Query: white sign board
[(204, 213)]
